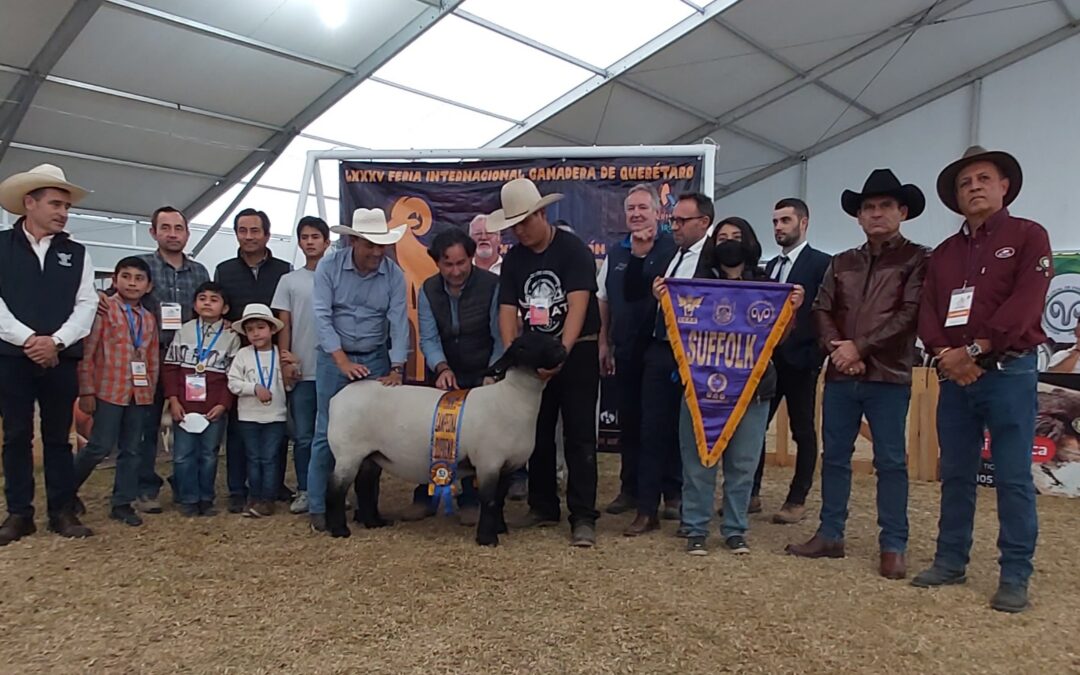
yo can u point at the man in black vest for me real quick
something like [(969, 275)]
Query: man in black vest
[(626, 328), (458, 312), (798, 359), (251, 277), (47, 305)]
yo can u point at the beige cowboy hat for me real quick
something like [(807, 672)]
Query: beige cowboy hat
[(371, 224), (520, 199), (1010, 168), (14, 188), (261, 312)]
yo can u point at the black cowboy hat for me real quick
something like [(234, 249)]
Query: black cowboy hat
[(1010, 168), (883, 182)]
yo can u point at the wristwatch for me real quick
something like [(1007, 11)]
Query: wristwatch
[(974, 350), (397, 369)]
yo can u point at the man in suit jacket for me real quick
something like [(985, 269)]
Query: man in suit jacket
[(798, 359)]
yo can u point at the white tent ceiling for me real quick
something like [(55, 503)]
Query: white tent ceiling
[(204, 103)]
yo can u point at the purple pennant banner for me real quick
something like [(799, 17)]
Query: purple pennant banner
[(723, 334)]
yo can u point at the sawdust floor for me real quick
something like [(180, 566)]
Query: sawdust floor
[(229, 594)]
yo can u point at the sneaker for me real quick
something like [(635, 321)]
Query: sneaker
[(318, 522), (621, 504), (126, 515), (207, 509), (736, 543), (259, 509), (938, 576), (300, 504), (148, 504), (188, 510), (583, 535), (237, 504), (1011, 598), (696, 546), (519, 491)]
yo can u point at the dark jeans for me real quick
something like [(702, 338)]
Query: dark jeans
[(1004, 403), (659, 468), (302, 406), (149, 482), (799, 387), (629, 371), (262, 441), (885, 406), (22, 383), (121, 427), (235, 458), (573, 392), (195, 459)]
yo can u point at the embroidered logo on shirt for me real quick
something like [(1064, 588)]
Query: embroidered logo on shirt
[(1006, 252), (64, 258)]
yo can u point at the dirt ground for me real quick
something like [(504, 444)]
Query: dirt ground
[(232, 595)]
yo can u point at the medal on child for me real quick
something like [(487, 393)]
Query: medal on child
[(268, 380), (139, 375), (202, 354)]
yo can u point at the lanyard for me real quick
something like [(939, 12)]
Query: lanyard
[(266, 382), (136, 336), (200, 353)]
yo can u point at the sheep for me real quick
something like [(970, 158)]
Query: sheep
[(372, 427)]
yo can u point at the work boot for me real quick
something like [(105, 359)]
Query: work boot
[(893, 565), (642, 525), (672, 510), (532, 519), (15, 528), (469, 516), (789, 514), (583, 535), (66, 524), (938, 576), (621, 504), (817, 547), (126, 515), (1011, 598)]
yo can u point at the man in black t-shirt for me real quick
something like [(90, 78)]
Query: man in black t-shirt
[(549, 280)]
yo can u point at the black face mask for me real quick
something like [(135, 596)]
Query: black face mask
[(730, 253)]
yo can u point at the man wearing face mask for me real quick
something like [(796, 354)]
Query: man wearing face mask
[(867, 315)]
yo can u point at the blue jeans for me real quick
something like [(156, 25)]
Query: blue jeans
[(885, 406), (1004, 403), (302, 406), (195, 459), (740, 461), (235, 458), (149, 481), (121, 427), (262, 441), (329, 381)]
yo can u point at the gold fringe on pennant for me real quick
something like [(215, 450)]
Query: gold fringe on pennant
[(710, 456)]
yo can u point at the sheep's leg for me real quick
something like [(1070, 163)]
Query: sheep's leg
[(337, 489), (367, 495), (505, 478), (492, 491)]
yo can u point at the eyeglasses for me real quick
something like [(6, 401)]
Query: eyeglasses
[(675, 220)]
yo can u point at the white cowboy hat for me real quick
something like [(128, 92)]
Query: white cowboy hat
[(371, 224), (520, 199), (14, 188), (261, 312)]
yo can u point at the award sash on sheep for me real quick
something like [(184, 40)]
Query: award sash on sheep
[(723, 334), (445, 427)]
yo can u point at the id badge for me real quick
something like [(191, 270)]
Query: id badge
[(959, 307), (195, 388), (539, 311), (138, 374), (171, 317)]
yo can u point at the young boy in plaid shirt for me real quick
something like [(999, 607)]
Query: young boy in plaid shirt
[(196, 384), (117, 379)]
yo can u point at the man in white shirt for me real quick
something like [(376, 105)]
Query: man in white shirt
[(47, 305), (488, 245)]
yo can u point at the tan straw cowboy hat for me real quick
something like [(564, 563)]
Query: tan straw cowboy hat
[(371, 224), (520, 199), (14, 188), (1006, 163), (261, 312)]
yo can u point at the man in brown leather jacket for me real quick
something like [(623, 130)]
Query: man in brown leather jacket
[(867, 313)]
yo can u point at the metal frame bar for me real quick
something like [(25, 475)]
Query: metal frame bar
[(45, 60), (976, 112), (441, 99), (1001, 62), (529, 42), (1069, 16), (277, 143), (113, 160), (612, 72), (883, 38), (227, 36)]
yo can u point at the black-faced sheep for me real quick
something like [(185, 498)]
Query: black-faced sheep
[(373, 426)]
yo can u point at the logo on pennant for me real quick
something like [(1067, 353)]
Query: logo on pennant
[(723, 355)]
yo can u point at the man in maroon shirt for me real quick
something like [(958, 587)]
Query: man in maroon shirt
[(981, 316)]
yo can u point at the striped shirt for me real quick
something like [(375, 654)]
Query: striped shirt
[(105, 371)]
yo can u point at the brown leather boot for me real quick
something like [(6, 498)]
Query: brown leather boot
[(893, 565), (641, 525), (15, 528), (817, 547), (66, 524), (789, 514)]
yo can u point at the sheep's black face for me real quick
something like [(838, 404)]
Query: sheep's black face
[(536, 351)]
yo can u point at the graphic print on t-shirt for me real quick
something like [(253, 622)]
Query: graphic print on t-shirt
[(543, 287)]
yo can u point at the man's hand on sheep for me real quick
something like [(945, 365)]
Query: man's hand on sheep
[(446, 379), (263, 394), (394, 379)]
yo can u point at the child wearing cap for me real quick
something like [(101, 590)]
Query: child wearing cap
[(255, 378), (195, 380)]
